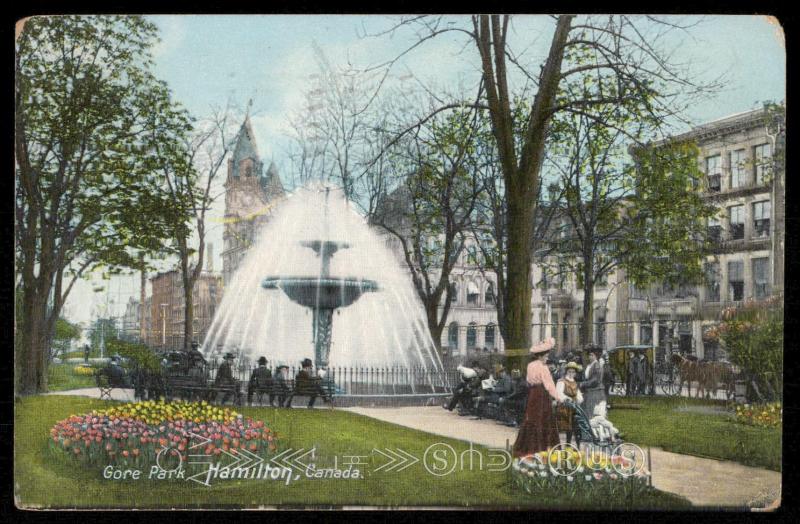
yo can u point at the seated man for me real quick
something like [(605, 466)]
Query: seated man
[(602, 428), (260, 382), (462, 393), (308, 385), (280, 387), (117, 376), (224, 378)]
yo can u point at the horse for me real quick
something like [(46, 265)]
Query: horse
[(721, 374), (692, 371)]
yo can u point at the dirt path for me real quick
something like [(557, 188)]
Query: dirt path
[(704, 482)]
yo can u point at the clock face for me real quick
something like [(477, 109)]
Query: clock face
[(248, 200)]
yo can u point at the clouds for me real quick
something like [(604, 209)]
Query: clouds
[(172, 30)]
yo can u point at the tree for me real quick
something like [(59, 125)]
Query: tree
[(431, 212), (752, 334), (65, 333), (88, 114), (647, 218), (190, 170), (620, 48), (333, 136)]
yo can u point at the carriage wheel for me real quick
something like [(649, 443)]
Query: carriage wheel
[(669, 380)]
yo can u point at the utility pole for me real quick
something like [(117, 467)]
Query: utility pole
[(164, 325), (142, 300)]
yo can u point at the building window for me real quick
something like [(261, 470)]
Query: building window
[(714, 172), (489, 336), (488, 297), (472, 335), (452, 335), (763, 161), (735, 280), (761, 213), (714, 229), (761, 277), (736, 214), (736, 159), (712, 281), (472, 293)]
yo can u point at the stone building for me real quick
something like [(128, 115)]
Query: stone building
[(250, 192), (167, 308), (745, 179)]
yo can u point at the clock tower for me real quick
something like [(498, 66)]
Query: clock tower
[(250, 192)]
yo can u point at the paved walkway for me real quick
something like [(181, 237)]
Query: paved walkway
[(704, 482)]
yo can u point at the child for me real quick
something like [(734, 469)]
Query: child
[(601, 426)]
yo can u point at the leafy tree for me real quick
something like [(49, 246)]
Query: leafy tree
[(647, 218), (65, 333), (103, 331), (752, 334), (431, 211), (88, 116)]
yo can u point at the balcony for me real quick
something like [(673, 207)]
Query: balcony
[(750, 186)]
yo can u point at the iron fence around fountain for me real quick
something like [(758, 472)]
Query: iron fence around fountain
[(367, 380)]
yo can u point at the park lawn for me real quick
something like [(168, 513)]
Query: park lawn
[(44, 478), (62, 377), (658, 424)]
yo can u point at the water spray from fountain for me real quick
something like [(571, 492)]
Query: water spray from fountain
[(319, 283)]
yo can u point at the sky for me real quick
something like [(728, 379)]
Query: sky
[(207, 60)]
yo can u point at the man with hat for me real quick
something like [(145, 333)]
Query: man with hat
[(307, 385), (260, 382), (224, 377), (592, 386)]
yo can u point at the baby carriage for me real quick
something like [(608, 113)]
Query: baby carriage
[(592, 436)]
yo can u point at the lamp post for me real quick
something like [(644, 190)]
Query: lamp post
[(163, 325)]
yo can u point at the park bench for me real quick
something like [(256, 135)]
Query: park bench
[(288, 389)]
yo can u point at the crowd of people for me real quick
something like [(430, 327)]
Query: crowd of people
[(543, 402)]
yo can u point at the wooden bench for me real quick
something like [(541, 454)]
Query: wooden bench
[(288, 390)]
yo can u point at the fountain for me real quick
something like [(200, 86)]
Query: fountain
[(323, 294), (317, 257)]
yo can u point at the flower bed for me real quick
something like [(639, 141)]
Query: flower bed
[(574, 473), (82, 369), (134, 434), (763, 415)]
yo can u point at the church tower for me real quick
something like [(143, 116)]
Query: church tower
[(250, 193)]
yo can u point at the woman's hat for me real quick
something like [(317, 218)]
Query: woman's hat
[(229, 356), (306, 363), (282, 366), (262, 360), (574, 365), (543, 346)]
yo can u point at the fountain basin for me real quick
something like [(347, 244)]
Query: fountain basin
[(321, 293)]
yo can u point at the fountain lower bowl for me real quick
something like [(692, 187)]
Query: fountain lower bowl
[(322, 293)]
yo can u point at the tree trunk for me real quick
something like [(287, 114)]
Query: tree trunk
[(588, 304), (518, 290), (34, 342)]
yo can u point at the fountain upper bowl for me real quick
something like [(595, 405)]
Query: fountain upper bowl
[(322, 293)]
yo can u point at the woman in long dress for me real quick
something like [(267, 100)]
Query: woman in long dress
[(538, 430)]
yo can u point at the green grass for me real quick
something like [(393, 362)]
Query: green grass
[(659, 424), (62, 377), (44, 478)]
